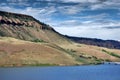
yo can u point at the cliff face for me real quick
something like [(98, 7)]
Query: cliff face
[(21, 20), (27, 28)]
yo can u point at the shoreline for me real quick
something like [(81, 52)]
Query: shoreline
[(56, 65)]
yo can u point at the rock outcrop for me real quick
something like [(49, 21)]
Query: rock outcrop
[(21, 20), (26, 27)]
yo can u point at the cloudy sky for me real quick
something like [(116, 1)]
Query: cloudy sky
[(82, 18)]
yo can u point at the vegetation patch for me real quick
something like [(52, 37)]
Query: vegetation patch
[(85, 59), (2, 33), (38, 41), (79, 46), (40, 64), (21, 65), (71, 50), (111, 53)]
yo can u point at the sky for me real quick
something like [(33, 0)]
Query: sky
[(80, 18)]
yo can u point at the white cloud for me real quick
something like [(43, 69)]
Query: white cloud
[(91, 27), (108, 4), (93, 17), (19, 4), (70, 9), (67, 23), (3, 4), (97, 6), (14, 1), (81, 1), (91, 31)]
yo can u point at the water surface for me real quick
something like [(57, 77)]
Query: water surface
[(93, 72)]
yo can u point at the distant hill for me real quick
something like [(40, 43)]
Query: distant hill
[(96, 42)]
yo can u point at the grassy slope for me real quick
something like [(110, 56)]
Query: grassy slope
[(31, 33), (92, 53), (14, 52)]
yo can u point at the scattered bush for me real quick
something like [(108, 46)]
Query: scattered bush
[(71, 50), (37, 40), (111, 53)]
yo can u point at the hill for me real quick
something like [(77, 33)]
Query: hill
[(14, 52), (27, 41), (112, 44), (26, 27)]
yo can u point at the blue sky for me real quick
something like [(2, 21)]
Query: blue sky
[(82, 18)]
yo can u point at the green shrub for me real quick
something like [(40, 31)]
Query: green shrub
[(2, 33), (71, 50), (37, 40), (111, 53)]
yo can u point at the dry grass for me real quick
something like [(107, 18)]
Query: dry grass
[(31, 53), (14, 52), (93, 51)]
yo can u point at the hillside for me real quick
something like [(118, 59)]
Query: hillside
[(26, 27), (112, 44), (26, 41), (14, 52)]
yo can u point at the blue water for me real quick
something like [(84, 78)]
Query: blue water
[(93, 72)]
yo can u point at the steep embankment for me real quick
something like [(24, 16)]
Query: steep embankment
[(27, 28)]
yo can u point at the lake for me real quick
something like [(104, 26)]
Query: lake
[(92, 72)]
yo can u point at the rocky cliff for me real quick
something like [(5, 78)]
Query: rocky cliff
[(26, 27), (21, 20)]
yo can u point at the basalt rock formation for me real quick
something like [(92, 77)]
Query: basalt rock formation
[(21, 20), (26, 27)]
